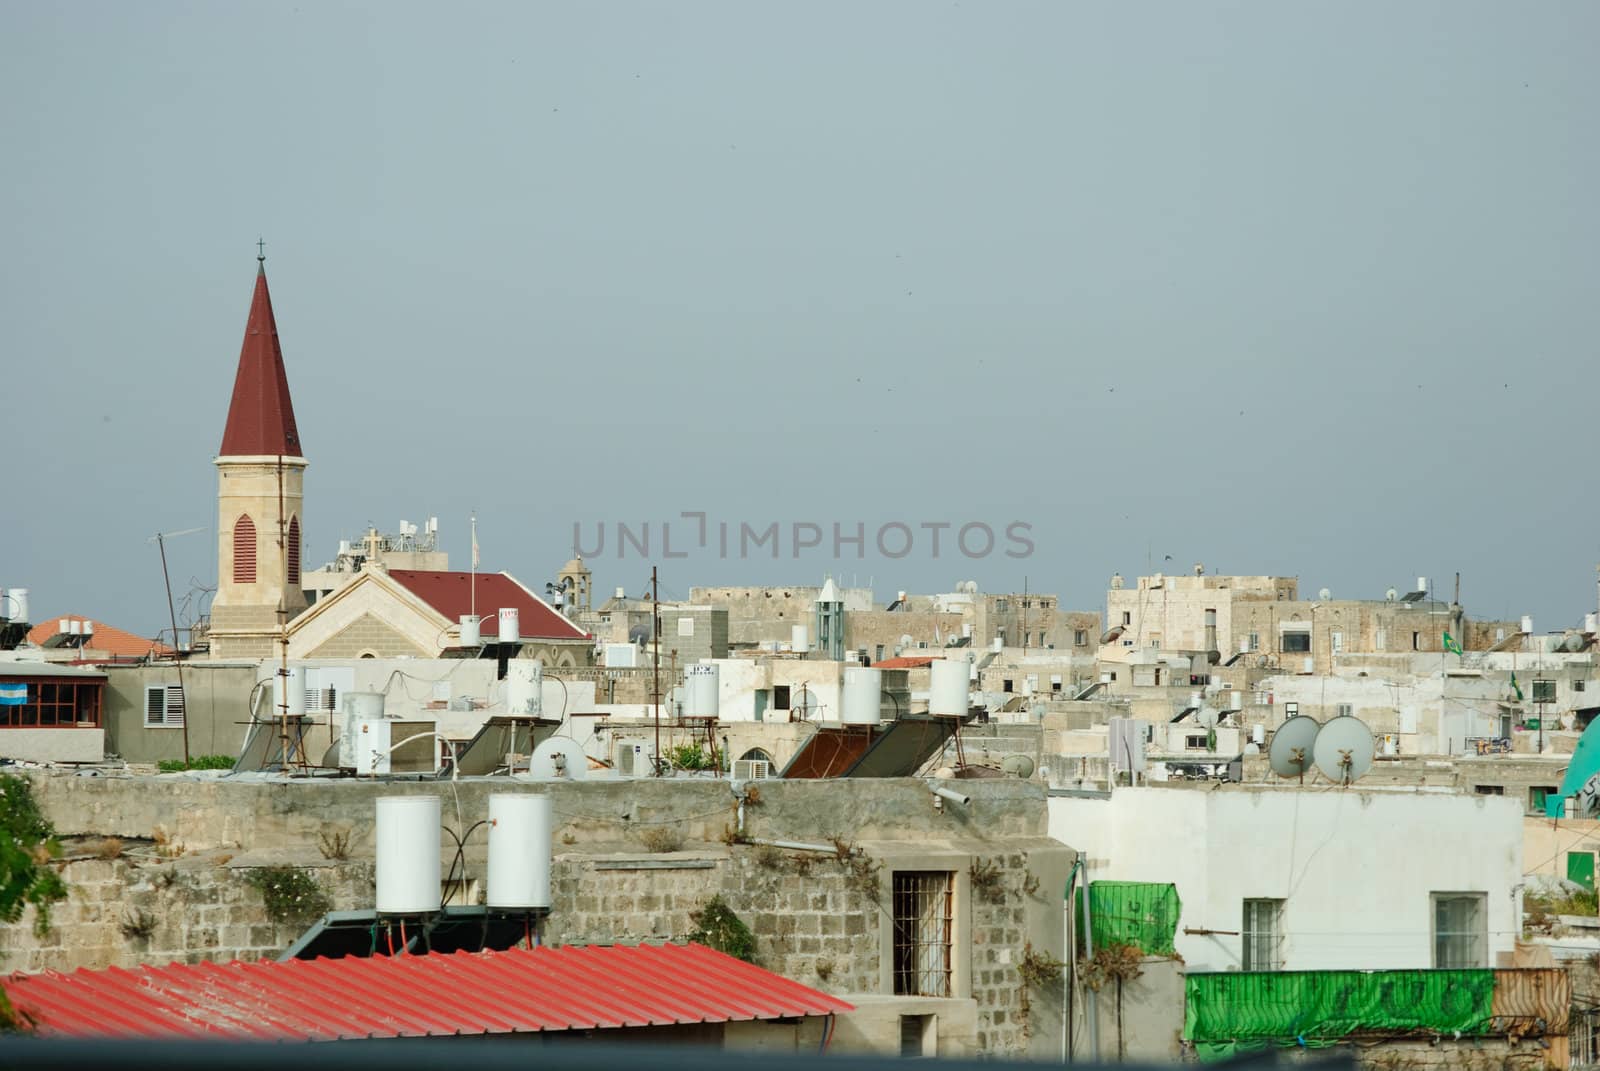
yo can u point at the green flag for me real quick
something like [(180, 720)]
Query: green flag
[(1451, 645), (1515, 687)]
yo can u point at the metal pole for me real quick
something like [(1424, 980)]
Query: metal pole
[(177, 652), (655, 673), (283, 631)]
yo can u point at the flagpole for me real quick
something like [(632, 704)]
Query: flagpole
[(474, 610)]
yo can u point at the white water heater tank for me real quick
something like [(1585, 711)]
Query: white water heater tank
[(520, 827), (471, 634), (408, 855), (509, 629), (14, 605), (800, 639), (1527, 626), (524, 687), (948, 691), (863, 696), (700, 688)]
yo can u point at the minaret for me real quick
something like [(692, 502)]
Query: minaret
[(260, 479)]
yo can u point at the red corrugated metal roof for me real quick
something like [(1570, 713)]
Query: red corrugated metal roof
[(464, 993), (907, 662), (261, 415), (451, 595)]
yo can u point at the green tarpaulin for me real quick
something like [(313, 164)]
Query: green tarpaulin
[(1139, 913), (1225, 1013)]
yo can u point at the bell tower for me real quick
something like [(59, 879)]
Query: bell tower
[(260, 494)]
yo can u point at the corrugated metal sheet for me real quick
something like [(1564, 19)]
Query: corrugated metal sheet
[(464, 993), (1531, 1001)]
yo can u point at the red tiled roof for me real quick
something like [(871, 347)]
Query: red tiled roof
[(261, 417), (907, 662), (462, 993), (451, 595), (107, 639)]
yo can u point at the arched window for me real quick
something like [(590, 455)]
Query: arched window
[(244, 550), (292, 552)]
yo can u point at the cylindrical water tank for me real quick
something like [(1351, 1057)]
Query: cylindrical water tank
[(64, 626), (525, 687), (88, 628), (1590, 622), (700, 691), (1422, 583), (800, 639), (1527, 625), (363, 706), (294, 687), (949, 689), (1258, 734), (863, 696), (75, 627), (470, 634), (408, 855), (510, 626), (14, 605), (519, 850)]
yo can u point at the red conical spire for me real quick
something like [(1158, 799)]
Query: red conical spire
[(261, 418)]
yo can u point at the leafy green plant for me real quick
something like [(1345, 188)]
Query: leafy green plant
[(27, 845), (716, 926), (198, 762), (291, 895), (689, 757), (1578, 902)]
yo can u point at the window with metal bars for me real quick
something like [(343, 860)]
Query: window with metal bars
[(1262, 933), (1460, 930), (244, 550), (924, 913)]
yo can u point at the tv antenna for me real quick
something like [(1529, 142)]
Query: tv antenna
[(160, 540)]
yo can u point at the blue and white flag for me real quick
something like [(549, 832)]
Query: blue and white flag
[(13, 694)]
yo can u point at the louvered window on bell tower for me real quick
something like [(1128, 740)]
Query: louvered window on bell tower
[(293, 552), (244, 550)]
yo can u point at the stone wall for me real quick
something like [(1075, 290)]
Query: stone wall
[(633, 860)]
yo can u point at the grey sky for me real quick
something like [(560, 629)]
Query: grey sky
[(611, 262)]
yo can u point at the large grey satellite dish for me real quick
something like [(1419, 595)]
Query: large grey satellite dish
[(1290, 753), (1343, 749), (559, 757)]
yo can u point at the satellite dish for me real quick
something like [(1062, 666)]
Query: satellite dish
[(1391, 595), (804, 703), (559, 758), (1018, 765), (1290, 754), (1324, 595), (1206, 716), (1343, 749)]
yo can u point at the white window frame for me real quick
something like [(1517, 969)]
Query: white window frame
[(1469, 946), (171, 705), (1261, 935)]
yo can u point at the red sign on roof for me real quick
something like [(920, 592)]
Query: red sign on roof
[(463, 993)]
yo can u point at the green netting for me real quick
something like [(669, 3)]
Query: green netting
[(1139, 913), (1226, 1013)]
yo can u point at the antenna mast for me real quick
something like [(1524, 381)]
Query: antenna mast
[(655, 672), (283, 629)]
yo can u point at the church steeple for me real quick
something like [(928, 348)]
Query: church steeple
[(261, 418), (260, 497)]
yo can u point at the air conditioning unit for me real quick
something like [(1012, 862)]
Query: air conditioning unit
[(633, 758), (751, 769)]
